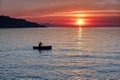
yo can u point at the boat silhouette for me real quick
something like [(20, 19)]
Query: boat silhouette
[(42, 47)]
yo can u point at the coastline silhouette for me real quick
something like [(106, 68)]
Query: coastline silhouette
[(8, 22)]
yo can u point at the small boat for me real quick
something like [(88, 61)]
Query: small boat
[(42, 47)]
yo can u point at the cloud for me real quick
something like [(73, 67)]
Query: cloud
[(45, 10)]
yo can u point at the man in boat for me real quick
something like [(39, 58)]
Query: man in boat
[(40, 44)]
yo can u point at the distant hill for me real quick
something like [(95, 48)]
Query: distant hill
[(8, 22)]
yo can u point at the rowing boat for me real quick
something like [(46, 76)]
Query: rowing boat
[(42, 47)]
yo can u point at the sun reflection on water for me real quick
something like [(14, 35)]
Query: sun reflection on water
[(80, 37)]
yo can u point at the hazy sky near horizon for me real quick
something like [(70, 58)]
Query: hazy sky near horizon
[(47, 9)]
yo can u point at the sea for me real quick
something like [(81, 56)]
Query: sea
[(91, 53)]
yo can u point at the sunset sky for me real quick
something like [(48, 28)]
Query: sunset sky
[(64, 12)]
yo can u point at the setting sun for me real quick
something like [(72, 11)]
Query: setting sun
[(80, 22)]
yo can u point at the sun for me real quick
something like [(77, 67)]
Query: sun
[(80, 22)]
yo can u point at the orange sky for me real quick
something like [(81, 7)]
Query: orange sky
[(64, 12)]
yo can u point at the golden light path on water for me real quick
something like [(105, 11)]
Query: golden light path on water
[(80, 35), (80, 38)]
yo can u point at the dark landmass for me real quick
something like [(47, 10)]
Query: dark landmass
[(8, 22)]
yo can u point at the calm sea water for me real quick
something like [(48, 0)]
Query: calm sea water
[(78, 54)]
